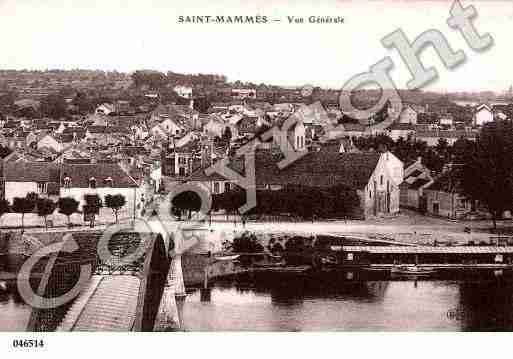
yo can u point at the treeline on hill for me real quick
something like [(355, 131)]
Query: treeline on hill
[(156, 80)]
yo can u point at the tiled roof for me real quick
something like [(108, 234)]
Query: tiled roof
[(107, 129), (316, 169), (21, 171), (402, 127), (81, 173), (354, 127), (447, 134), (419, 183)]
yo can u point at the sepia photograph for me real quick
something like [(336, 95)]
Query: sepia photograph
[(267, 166)]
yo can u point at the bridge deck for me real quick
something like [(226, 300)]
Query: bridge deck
[(109, 303)]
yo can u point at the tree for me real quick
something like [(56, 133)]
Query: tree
[(92, 206), (247, 243), (22, 206), (227, 134), (115, 202), (186, 201), (53, 106), (487, 172), (68, 206), (45, 207)]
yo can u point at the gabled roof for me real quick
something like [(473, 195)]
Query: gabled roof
[(22, 171), (315, 169), (483, 106), (81, 173)]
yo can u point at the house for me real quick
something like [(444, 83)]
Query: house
[(443, 197), (353, 129), (374, 177), (23, 177), (172, 126), (446, 120), (183, 91), (291, 136), (50, 142), (79, 179), (431, 137), (105, 109), (482, 114), (398, 130), (216, 127), (408, 115), (76, 132), (416, 178), (244, 93)]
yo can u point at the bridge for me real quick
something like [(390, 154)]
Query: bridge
[(118, 296)]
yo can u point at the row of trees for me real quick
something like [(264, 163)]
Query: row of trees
[(486, 172), (299, 201), (44, 207), (409, 149)]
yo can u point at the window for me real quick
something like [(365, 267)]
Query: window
[(177, 132), (182, 160), (370, 194), (41, 187), (109, 182), (381, 180), (216, 187), (181, 171), (226, 187), (92, 182)]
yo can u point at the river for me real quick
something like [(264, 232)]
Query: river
[(331, 304)]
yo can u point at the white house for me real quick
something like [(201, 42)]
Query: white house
[(105, 109), (244, 93), (49, 141), (398, 130), (292, 137), (483, 114), (23, 177), (78, 180), (215, 127), (173, 127), (183, 91), (408, 115)]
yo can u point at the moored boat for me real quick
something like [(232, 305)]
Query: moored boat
[(226, 258), (412, 270)]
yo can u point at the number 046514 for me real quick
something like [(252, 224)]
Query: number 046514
[(28, 343)]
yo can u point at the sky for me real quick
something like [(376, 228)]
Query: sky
[(127, 35)]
